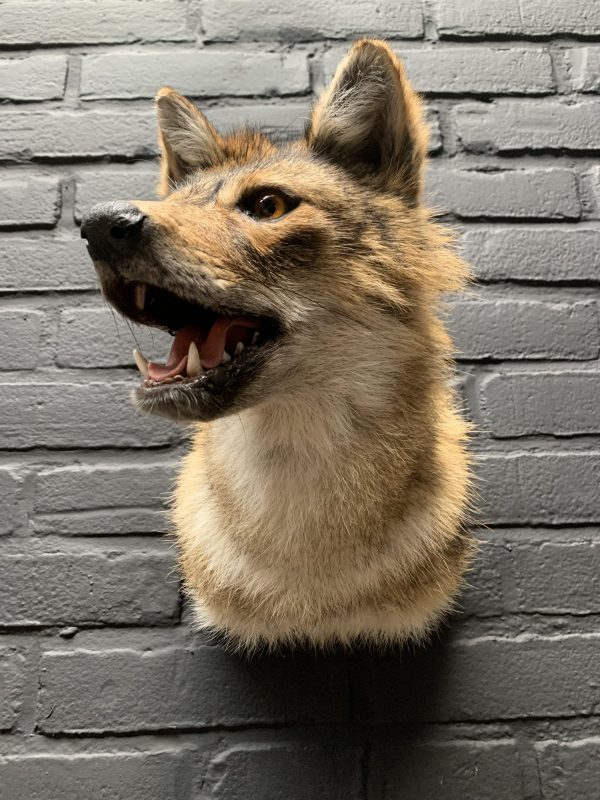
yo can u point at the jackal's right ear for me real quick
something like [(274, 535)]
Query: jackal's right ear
[(187, 139), (369, 121)]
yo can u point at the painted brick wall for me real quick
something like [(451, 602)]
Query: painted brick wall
[(104, 690)]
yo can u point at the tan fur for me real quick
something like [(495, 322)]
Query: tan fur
[(331, 505)]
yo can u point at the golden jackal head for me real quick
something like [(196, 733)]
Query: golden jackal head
[(284, 270)]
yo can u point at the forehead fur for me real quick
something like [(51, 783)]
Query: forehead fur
[(245, 145)]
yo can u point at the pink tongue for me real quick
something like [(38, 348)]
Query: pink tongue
[(211, 346), (177, 361)]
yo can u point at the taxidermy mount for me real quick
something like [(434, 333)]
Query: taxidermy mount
[(325, 493)]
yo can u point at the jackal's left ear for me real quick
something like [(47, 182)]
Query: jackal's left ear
[(187, 139), (369, 121)]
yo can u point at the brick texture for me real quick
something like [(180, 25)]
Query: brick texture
[(106, 690), (526, 403), (535, 255), (529, 18), (29, 201), (11, 680), (243, 771), (463, 769), (507, 194), (119, 586), (499, 329), (234, 20), (96, 776), (514, 126), (197, 72), (33, 78), (140, 695)]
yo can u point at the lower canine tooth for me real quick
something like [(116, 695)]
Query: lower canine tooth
[(194, 367), (226, 357), (141, 362), (238, 348)]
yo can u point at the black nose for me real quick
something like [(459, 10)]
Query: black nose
[(112, 230)]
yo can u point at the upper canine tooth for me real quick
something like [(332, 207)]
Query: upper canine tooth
[(141, 361), (226, 357), (139, 295), (193, 367), (238, 348), (255, 337)]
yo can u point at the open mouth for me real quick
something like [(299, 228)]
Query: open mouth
[(215, 353)]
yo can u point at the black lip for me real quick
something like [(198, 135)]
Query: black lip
[(221, 390)]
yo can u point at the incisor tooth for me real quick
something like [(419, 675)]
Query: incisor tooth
[(139, 294), (238, 348), (141, 361), (193, 367), (226, 357)]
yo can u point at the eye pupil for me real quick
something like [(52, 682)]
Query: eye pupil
[(268, 205)]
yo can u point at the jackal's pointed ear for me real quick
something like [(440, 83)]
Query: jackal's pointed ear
[(187, 139), (369, 121)]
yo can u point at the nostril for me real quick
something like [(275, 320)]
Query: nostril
[(127, 227)]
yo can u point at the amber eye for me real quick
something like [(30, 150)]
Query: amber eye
[(267, 204)]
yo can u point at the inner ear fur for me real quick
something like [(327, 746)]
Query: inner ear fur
[(370, 121), (186, 139)]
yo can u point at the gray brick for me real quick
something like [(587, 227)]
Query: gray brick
[(512, 194), (569, 770), (33, 78), (324, 771), (102, 522), (524, 329), (81, 134), (138, 690), (541, 488), (590, 190), (96, 585), (282, 119), (199, 73), (557, 577), (534, 253), (483, 595), (92, 414), (95, 337), (10, 492), (463, 70), (228, 20), (488, 770), (483, 679), (11, 687), (457, 18), (563, 403), (583, 66), (26, 22), (125, 183), (83, 487), (524, 571), (139, 774), (29, 201), (19, 339), (50, 262), (521, 126), (478, 71)]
